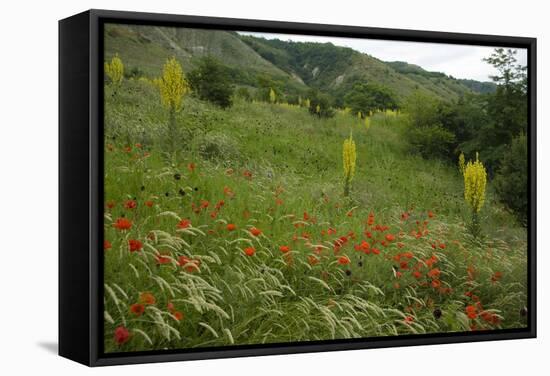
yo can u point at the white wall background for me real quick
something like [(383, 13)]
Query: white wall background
[(28, 185)]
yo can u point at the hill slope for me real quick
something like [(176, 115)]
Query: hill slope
[(296, 67)]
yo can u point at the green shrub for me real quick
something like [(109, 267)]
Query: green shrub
[(511, 179), (319, 105), (432, 141), (211, 81)]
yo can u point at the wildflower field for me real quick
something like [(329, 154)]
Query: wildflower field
[(261, 223)]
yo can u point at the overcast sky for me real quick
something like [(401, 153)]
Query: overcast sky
[(460, 61)]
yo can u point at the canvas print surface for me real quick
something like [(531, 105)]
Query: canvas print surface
[(263, 188)]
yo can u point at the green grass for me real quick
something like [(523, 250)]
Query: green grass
[(296, 165)]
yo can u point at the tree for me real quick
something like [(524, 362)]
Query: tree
[(511, 179), (366, 98), (319, 104), (211, 82)]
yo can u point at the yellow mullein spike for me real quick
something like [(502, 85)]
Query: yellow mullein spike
[(349, 157), (115, 70), (272, 96), (367, 122), (475, 182), (172, 85), (461, 163)]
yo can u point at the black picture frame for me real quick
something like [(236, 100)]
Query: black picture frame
[(81, 185)]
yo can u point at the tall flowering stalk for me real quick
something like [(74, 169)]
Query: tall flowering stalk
[(272, 96), (172, 88), (475, 182), (114, 70), (461, 163), (349, 157)]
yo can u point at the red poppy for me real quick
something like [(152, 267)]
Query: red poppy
[(111, 204), (170, 306), (231, 227), (409, 319), (147, 298), (417, 274), (284, 248), (343, 260), (442, 245), (496, 277), (122, 224), (214, 214), (184, 223), (137, 309), (130, 204), (471, 311), (249, 251), (247, 174), (376, 251), (436, 283), (220, 204), (312, 260), (404, 265), (430, 214), (306, 216), (189, 264), (434, 273), (390, 237), (255, 231), (405, 216), (178, 315), (149, 203), (228, 192), (370, 221), (135, 245), (162, 259), (121, 335), (191, 167), (106, 245)]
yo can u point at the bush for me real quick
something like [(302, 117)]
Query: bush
[(217, 147), (319, 105), (511, 179), (432, 141), (211, 82), (244, 94)]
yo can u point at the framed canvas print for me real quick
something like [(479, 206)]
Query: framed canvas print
[(234, 187)]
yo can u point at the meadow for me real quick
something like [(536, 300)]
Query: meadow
[(243, 234)]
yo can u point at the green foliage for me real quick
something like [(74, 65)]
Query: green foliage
[(431, 141), (511, 179), (366, 98), (243, 93), (319, 105), (211, 82)]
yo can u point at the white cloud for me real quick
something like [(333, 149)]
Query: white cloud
[(460, 61)]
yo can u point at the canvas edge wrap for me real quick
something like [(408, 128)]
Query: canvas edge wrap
[(80, 191)]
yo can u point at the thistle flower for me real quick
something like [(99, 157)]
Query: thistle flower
[(172, 85), (475, 181), (115, 70)]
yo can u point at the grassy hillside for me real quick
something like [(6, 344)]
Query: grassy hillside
[(335, 69), (188, 45), (295, 67), (244, 236)]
